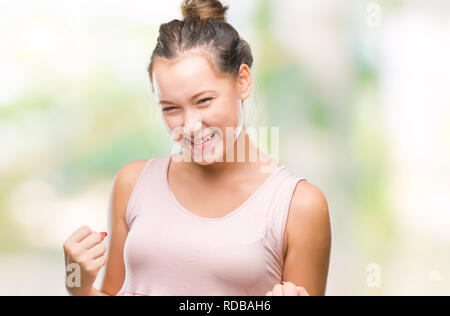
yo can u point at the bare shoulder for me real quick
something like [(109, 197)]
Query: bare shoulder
[(309, 239), (128, 175), (124, 182), (309, 200), (309, 218)]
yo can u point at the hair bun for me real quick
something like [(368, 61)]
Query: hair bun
[(204, 9)]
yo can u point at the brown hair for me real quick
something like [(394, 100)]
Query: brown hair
[(204, 26)]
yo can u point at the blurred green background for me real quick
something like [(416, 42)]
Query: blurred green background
[(359, 90)]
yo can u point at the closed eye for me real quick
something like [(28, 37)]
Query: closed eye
[(205, 100)]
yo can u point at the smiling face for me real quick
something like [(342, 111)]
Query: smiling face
[(198, 101)]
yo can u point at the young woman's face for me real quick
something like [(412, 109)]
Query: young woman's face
[(198, 102)]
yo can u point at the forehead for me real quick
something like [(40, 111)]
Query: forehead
[(185, 74)]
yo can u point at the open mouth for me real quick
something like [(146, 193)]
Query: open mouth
[(204, 142)]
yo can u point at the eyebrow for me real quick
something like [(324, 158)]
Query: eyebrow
[(192, 98)]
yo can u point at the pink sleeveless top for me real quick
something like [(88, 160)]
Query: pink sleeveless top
[(170, 251)]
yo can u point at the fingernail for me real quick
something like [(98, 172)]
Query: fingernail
[(104, 234), (282, 282)]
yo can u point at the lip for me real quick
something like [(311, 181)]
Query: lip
[(203, 137), (205, 144)]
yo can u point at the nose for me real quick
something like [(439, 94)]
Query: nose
[(192, 125)]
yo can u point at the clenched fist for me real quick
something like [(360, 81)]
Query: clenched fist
[(287, 289), (85, 249)]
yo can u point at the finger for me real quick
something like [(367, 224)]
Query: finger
[(290, 289), (302, 291), (97, 251), (79, 234), (92, 240), (278, 290), (99, 262), (269, 293)]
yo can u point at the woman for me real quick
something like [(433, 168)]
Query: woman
[(197, 222)]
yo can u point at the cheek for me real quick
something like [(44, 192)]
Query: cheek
[(173, 121), (174, 126), (225, 114)]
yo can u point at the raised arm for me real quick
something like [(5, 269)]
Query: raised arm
[(309, 244), (122, 188)]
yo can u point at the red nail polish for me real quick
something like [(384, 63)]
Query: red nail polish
[(282, 282), (104, 234)]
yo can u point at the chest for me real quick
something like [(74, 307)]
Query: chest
[(192, 256), (217, 200), (208, 200)]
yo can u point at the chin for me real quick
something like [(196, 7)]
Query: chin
[(205, 160), (205, 163)]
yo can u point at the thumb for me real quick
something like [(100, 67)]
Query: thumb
[(302, 291)]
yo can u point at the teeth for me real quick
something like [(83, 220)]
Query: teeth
[(210, 136), (204, 140)]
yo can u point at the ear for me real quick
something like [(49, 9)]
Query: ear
[(245, 81)]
